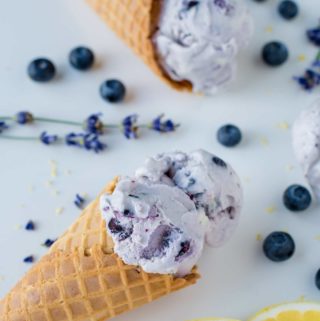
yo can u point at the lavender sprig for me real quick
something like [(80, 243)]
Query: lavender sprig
[(87, 141), (93, 129), (130, 127)]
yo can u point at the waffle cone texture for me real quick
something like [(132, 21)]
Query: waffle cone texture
[(135, 22), (82, 279)]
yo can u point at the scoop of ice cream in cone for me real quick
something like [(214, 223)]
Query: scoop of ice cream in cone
[(161, 218), (192, 45), (138, 241)]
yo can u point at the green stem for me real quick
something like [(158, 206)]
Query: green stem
[(111, 126), (19, 137), (58, 121), (6, 118)]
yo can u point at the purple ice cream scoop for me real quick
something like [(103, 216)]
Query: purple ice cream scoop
[(199, 41), (161, 218)]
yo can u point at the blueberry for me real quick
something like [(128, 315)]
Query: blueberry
[(288, 9), (159, 241), (296, 198), (218, 161), (278, 246), (185, 248), (81, 58), (112, 90), (259, 0), (275, 53), (229, 135), (41, 70), (317, 279), (116, 228), (192, 4)]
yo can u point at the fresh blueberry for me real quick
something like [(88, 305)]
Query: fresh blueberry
[(259, 0), (112, 91), (275, 53), (218, 161), (296, 198), (41, 70), (317, 279), (278, 246), (288, 9), (81, 58), (229, 135)]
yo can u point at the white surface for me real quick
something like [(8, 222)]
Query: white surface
[(237, 279)]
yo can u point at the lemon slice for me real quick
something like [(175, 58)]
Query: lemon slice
[(215, 319), (297, 311)]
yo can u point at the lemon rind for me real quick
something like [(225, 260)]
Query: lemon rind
[(275, 309)]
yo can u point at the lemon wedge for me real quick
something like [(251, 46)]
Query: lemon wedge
[(297, 311)]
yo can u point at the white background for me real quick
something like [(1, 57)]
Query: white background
[(237, 280)]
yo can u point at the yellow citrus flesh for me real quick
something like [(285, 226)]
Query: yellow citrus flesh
[(297, 311), (216, 319)]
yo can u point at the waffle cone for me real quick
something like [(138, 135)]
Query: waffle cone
[(82, 279), (135, 22)]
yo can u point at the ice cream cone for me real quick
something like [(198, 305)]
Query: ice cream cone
[(82, 279), (135, 22)]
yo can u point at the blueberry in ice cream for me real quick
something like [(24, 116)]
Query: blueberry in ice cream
[(229, 135), (306, 144), (288, 9), (198, 41), (161, 218)]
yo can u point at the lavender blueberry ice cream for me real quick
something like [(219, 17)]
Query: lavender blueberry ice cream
[(199, 40), (161, 218), (306, 144)]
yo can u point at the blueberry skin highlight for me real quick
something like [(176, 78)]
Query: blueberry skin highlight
[(41, 70), (279, 246), (297, 198)]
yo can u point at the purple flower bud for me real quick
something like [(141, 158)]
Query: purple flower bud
[(48, 139), (23, 117), (94, 125), (163, 126), (130, 128)]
